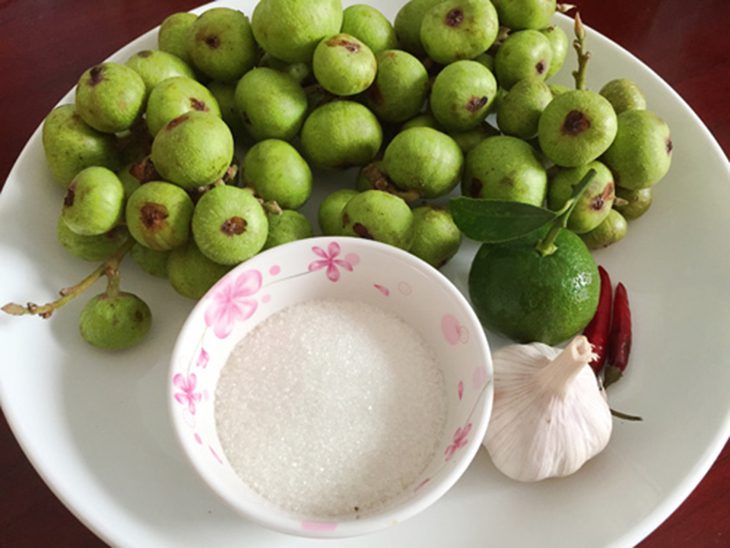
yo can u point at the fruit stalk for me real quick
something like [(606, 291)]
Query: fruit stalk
[(583, 55), (619, 340), (547, 246), (109, 268), (598, 330)]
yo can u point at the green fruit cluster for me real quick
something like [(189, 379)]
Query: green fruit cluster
[(147, 151)]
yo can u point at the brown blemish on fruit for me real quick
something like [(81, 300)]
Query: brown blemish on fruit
[(197, 104), (454, 17), (540, 66), (362, 231), (235, 226), (144, 53), (153, 216), (68, 199), (602, 199), (176, 122), (350, 46), (138, 316), (96, 75), (507, 181), (670, 146), (476, 103), (212, 41), (375, 95), (475, 189), (144, 171), (575, 123)]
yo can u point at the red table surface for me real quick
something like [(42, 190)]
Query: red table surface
[(45, 45)]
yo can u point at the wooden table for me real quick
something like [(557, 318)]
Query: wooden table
[(44, 46)]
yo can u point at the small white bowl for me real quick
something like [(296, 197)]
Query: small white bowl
[(347, 268)]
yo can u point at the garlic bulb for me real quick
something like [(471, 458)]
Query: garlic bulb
[(549, 415)]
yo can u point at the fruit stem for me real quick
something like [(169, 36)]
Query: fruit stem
[(380, 181), (546, 246), (583, 55), (110, 268), (565, 8)]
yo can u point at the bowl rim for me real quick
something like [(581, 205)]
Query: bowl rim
[(368, 523)]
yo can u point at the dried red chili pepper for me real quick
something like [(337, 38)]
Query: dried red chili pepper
[(597, 331), (619, 340)]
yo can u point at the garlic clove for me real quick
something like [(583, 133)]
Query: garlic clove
[(549, 414)]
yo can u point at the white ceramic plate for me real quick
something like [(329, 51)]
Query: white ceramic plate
[(96, 428)]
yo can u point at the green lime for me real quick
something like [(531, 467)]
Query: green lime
[(529, 297)]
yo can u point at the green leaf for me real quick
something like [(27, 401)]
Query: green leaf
[(494, 221)]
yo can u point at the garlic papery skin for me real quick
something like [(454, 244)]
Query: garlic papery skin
[(549, 414)]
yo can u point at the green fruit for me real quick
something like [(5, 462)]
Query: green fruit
[(637, 202), (158, 215), (271, 104), (151, 261), (559, 44), (558, 89), (229, 225), (400, 87), (287, 226), (91, 248), (299, 71), (458, 29), (520, 110), (70, 145), (115, 322), (133, 175), (193, 150), (341, 134), (330, 211), (487, 60), (641, 153), (576, 128), (225, 96), (424, 160), (191, 273), (291, 29), (527, 297), (110, 97), (276, 172), (436, 238), (422, 120), (369, 25), (407, 25), (594, 203), (154, 66), (467, 140), (611, 230), (343, 65), (174, 97), (221, 44), (174, 34), (462, 94), (93, 202), (623, 95), (523, 54), (378, 215), (505, 168), (525, 14)]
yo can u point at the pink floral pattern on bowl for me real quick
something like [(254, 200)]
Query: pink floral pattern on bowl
[(338, 268), (328, 259)]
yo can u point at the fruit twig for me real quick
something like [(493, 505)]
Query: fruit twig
[(109, 268), (565, 8), (583, 55), (546, 246), (380, 181)]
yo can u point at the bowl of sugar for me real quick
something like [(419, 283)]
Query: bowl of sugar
[(331, 387)]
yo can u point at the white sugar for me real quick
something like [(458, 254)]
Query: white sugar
[(330, 407)]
